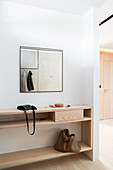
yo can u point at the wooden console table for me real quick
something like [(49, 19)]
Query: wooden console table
[(15, 119)]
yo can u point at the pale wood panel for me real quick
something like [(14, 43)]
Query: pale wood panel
[(80, 161), (106, 81), (16, 117), (107, 90), (74, 162), (86, 132), (68, 115), (46, 109), (17, 124), (87, 112), (101, 110), (58, 116), (5, 118), (87, 129), (34, 155)]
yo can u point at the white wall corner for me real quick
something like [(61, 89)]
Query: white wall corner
[(96, 81), (91, 73)]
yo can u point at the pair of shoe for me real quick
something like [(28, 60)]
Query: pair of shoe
[(67, 142)]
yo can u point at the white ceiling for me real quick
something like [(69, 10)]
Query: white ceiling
[(106, 30), (77, 7), (80, 7)]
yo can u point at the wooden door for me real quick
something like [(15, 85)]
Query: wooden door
[(106, 81)]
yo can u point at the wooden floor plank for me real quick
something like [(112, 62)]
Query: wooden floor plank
[(34, 155)]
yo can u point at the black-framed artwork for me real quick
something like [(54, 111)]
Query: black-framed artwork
[(41, 70)]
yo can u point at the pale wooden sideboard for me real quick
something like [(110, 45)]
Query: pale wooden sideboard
[(13, 118)]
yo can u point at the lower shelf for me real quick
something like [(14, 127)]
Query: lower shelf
[(17, 124), (34, 155)]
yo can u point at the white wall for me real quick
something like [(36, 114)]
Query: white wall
[(30, 26), (105, 35), (106, 29), (91, 72), (24, 25)]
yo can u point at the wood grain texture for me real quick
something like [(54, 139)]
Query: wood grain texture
[(87, 112), (86, 132), (106, 81), (74, 162), (34, 155), (101, 111), (68, 115), (18, 117), (81, 161), (87, 129), (18, 124), (59, 116), (46, 109)]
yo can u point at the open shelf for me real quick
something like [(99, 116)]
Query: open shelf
[(14, 118), (43, 109), (22, 123), (34, 155)]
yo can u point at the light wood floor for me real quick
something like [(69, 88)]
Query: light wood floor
[(106, 143), (80, 161)]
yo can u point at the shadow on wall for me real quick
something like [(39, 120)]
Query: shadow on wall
[(87, 90)]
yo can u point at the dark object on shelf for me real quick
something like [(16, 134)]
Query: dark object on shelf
[(67, 142), (42, 118), (68, 105), (30, 85), (59, 105), (25, 108), (51, 106)]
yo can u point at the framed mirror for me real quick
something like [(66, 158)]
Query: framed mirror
[(41, 70)]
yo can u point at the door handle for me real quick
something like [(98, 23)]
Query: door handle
[(106, 90)]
